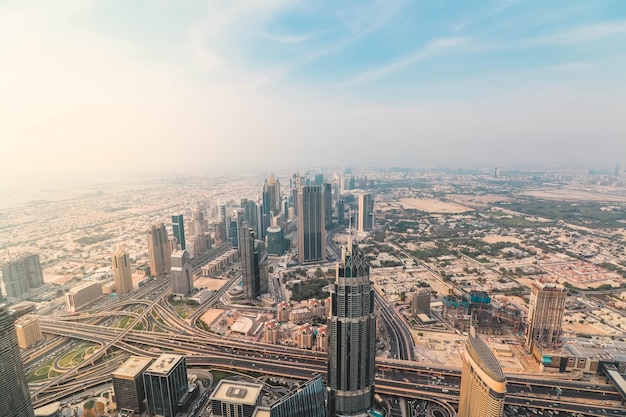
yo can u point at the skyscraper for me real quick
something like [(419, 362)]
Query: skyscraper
[(545, 313), (128, 384), (352, 337), (483, 385), (22, 275), (328, 204), (14, 394), (181, 273), (366, 212), (251, 286), (166, 383), (178, 230), (121, 271), (311, 230), (253, 263), (159, 250), (305, 401)]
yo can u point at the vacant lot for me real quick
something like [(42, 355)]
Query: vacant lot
[(429, 205)]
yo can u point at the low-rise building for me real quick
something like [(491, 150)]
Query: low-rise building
[(83, 295)]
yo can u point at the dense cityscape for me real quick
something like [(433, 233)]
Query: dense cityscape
[(329, 292)]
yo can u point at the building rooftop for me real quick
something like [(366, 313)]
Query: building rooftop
[(483, 355), (237, 392), (133, 366), (164, 364)]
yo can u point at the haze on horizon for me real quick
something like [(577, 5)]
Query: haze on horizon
[(113, 88)]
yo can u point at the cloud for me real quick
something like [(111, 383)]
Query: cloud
[(581, 34), (431, 49), (573, 66)]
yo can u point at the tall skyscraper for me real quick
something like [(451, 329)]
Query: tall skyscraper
[(483, 385), (21, 276), (14, 394), (352, 337), (366, 212), (166, 383), (253, 263), (328, 204), (251, 286), (121, 271), (159, 250), (128, 384), (311, 230), (181, 273), (178, 230), (545, 313), (305, 401)]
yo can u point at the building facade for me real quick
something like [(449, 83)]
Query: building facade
[(159, 250), (181, 273), (545, 313), (21, 276), (166, 384), (121, 271), (83, 295), (235, 398), (128, 384), (420, 303), (352, 337), (311, 228), (178, 230), (366, 212), (14, 395), (28, 331), (250, 274), (483, 385), (306, 401)]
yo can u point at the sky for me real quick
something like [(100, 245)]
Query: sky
[(116, 88)]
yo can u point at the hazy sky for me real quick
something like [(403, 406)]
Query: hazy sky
[(117, 87)]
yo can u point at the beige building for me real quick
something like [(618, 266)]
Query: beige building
[(159, 250), (121, 271), (322, 339), (83, 295), (483, 385), (282, 311), (545, 313), (366, 214), (28, 331), (235, 398), (271, 332), (304, 336), (420, 303)]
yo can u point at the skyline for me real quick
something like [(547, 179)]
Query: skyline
[(96, 89)]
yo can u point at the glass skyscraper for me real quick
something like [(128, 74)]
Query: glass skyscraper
[(178, 230), (311, 227), (14, 395), (166, 383), (352, 337), (306, 401)]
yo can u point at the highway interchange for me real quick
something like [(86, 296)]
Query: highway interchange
[(163, 330)]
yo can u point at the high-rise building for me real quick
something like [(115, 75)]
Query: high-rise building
[(181, 273), (275, 241), (311, 230), (14, 395), (235, 398), (305, 401), (352, 337), (178, 230), (253, 264), (366, 212), (159, 250), (420, 303), (166, 384), (28, 331), (328, 205), (21, 276), (483, 385), (83, 295), (545, 313), (250, 283), (341, 211), (121, 271), (128, 384), (336, 193)]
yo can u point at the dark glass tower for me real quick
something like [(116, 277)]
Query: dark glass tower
[(14, 395), (311, 230), (178, 229), (352, 350)]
